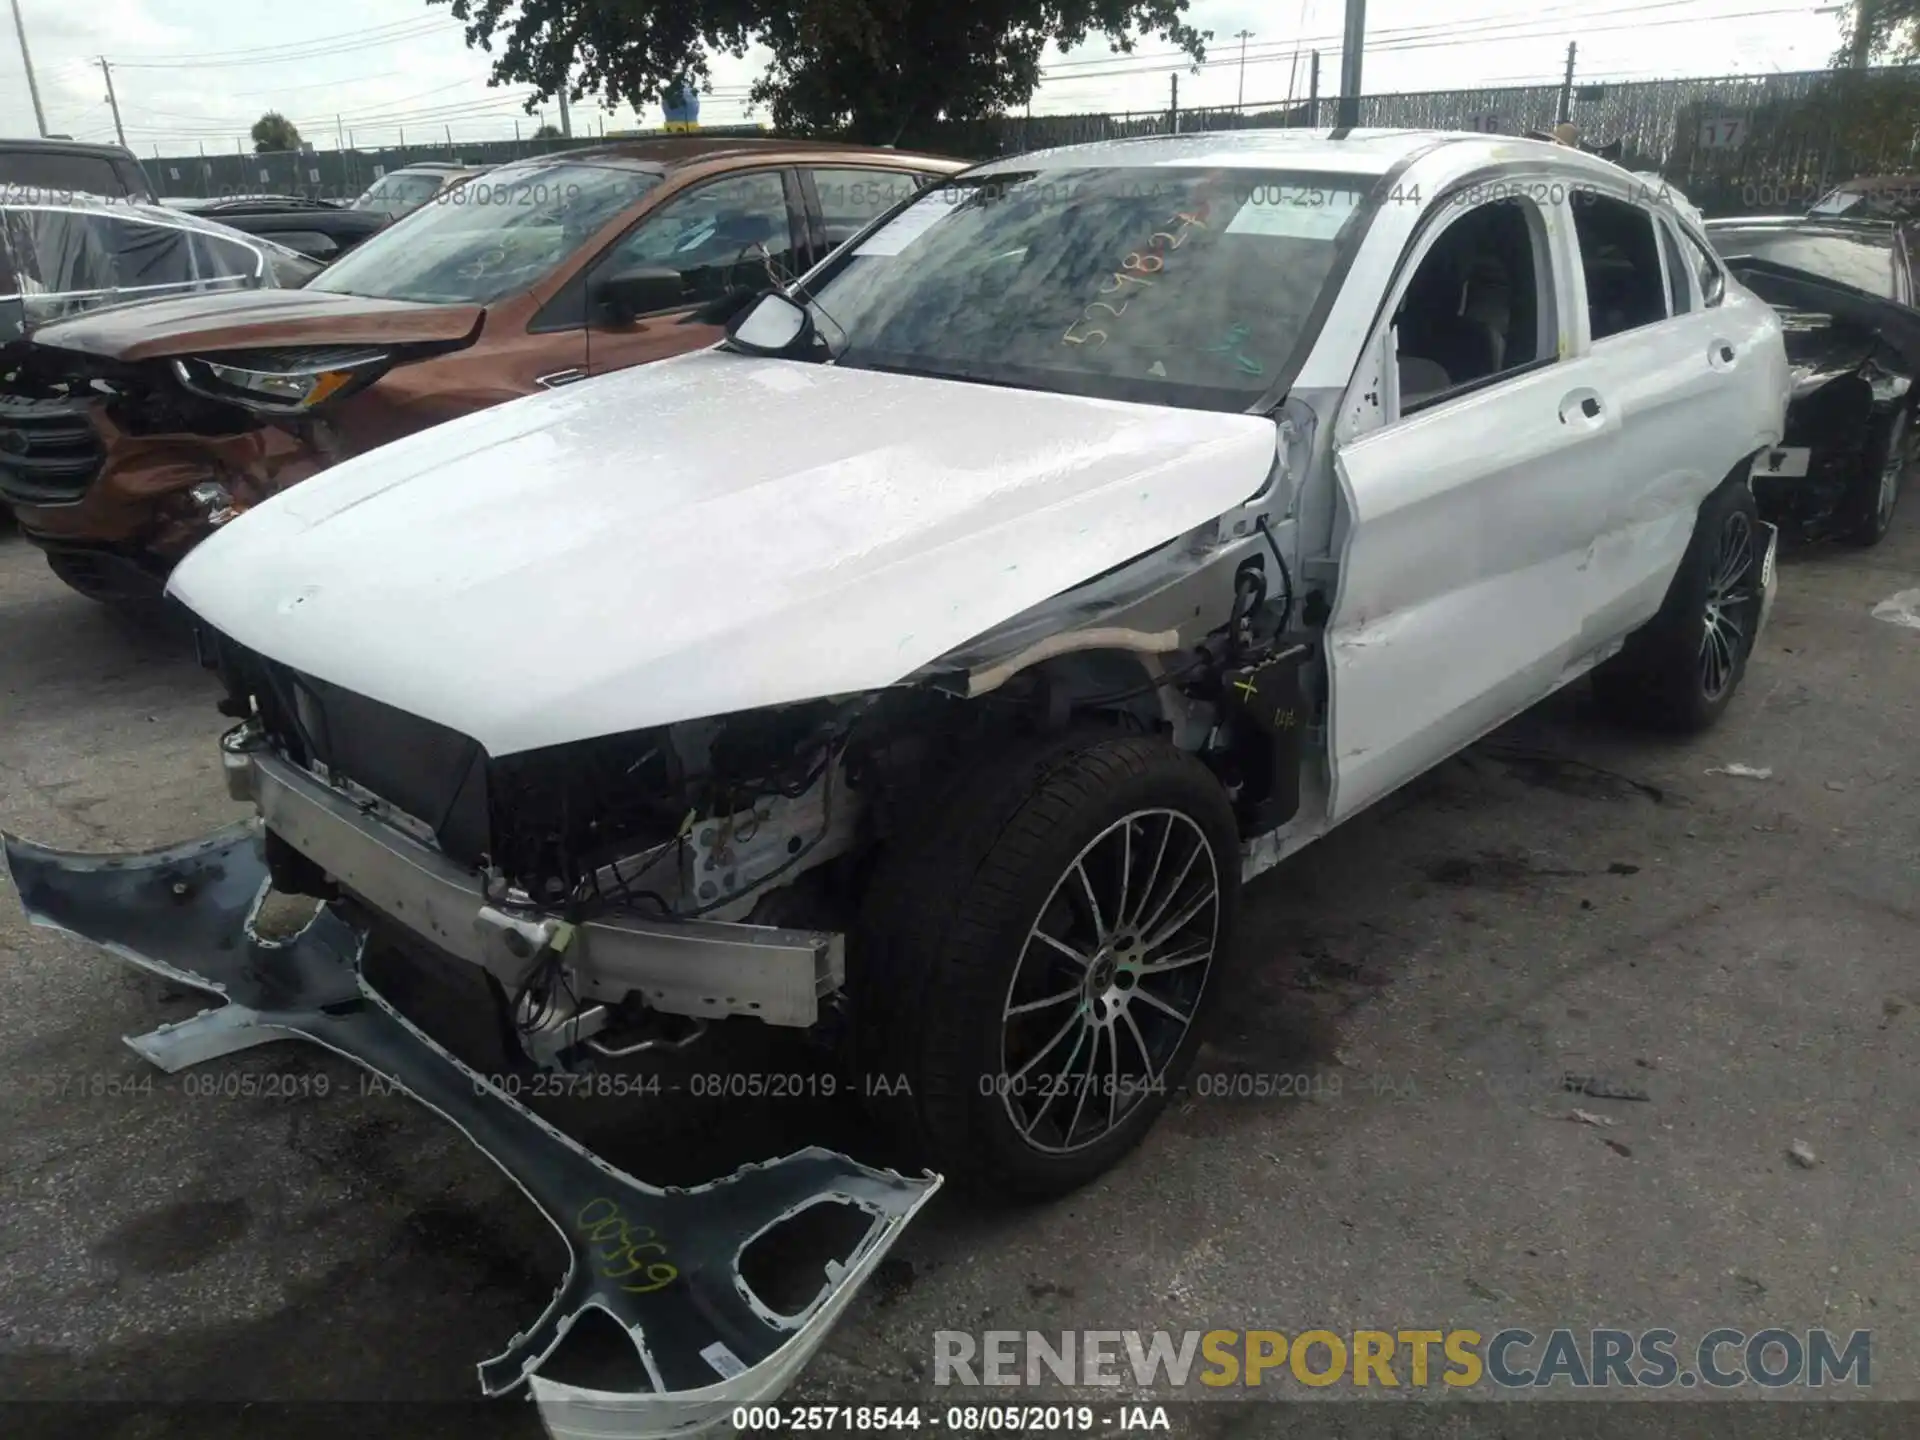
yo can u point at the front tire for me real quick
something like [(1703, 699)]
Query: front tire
[(1040, 957), (1680, 671)]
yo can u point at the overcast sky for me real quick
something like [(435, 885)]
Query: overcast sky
[(191, 73)]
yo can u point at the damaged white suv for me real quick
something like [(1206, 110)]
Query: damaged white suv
[(931, 662)]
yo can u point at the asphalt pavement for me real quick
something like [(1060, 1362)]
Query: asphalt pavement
[(1379, 1135)]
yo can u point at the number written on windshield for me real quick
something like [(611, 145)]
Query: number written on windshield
[(1136, 272)]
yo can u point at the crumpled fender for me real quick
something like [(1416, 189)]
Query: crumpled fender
[(663, 1263)]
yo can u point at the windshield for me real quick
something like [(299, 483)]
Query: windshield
[(58, 260), (498, 233), (1171, 286), (1864, 261), (400, 192)]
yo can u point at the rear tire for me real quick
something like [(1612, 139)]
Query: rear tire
[(1679, 672), (1871, 506), (1038, 959)]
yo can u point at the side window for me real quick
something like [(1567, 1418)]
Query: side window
[(724, 232), (61, 174), (1677, 289), (1479, 306), (850, 199), (1621, 259), (218, 257)]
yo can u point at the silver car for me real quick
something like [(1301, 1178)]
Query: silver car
[(928, 665)]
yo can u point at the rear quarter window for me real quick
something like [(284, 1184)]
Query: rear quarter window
[(62, 174)]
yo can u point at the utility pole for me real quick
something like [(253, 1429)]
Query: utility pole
[(1566, 85), (1243, 37), (33, 86), (107, 71), (1351, 46), (566, 120), (1313, 92), (1173, 114)]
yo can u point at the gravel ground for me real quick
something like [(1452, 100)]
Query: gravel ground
[(1562, 898)]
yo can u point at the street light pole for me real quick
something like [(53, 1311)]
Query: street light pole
[(33, 87), (1243, 37), (1351, 45)]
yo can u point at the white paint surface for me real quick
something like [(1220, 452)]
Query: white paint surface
[(1502, 541), (703, 536), (1900, 608)]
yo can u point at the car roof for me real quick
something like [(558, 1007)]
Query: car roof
[(65, 147), (1354, 152), (1865, 228), (670, 152)]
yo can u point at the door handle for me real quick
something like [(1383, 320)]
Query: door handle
[(1582, 407)]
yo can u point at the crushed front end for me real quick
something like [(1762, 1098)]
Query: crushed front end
[(609, 897)]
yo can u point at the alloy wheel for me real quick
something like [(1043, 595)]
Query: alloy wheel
[(1108, 980), (1732, 600)]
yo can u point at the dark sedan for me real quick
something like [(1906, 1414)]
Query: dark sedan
[(1845, 292)]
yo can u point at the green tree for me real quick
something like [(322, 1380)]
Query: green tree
[(547, 132), (273, 131), (874, 70), (1892, 32)]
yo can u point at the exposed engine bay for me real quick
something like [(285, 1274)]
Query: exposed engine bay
[(763, 825)]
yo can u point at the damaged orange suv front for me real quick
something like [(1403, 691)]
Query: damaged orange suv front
[(131, 431)]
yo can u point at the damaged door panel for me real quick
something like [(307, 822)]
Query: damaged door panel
[(665, 1264)]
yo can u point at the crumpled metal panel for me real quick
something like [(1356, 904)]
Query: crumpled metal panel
[(663, 1263)]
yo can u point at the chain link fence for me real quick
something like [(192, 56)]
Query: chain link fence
[(343, 174), (1733, 143)]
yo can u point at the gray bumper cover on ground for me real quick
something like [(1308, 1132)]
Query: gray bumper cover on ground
[(664, 1264)]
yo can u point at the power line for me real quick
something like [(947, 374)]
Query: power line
[(296, 49), (369, 42), (1479, 35), (1481, 30)]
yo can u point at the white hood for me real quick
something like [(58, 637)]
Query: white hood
[(702, 536)]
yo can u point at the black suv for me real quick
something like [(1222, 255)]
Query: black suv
[(70, 167)]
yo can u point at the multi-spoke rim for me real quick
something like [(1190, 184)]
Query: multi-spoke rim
[(1108, 980), (1732, 595)]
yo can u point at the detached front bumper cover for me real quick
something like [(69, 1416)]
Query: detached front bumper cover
[(663, 1263)]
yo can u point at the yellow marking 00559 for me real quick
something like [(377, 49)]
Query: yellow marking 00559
[(618, 1248)]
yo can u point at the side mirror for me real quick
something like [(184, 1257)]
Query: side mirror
[(639, 290), (774, 325)]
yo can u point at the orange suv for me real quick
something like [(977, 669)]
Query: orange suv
[(536, 274)]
